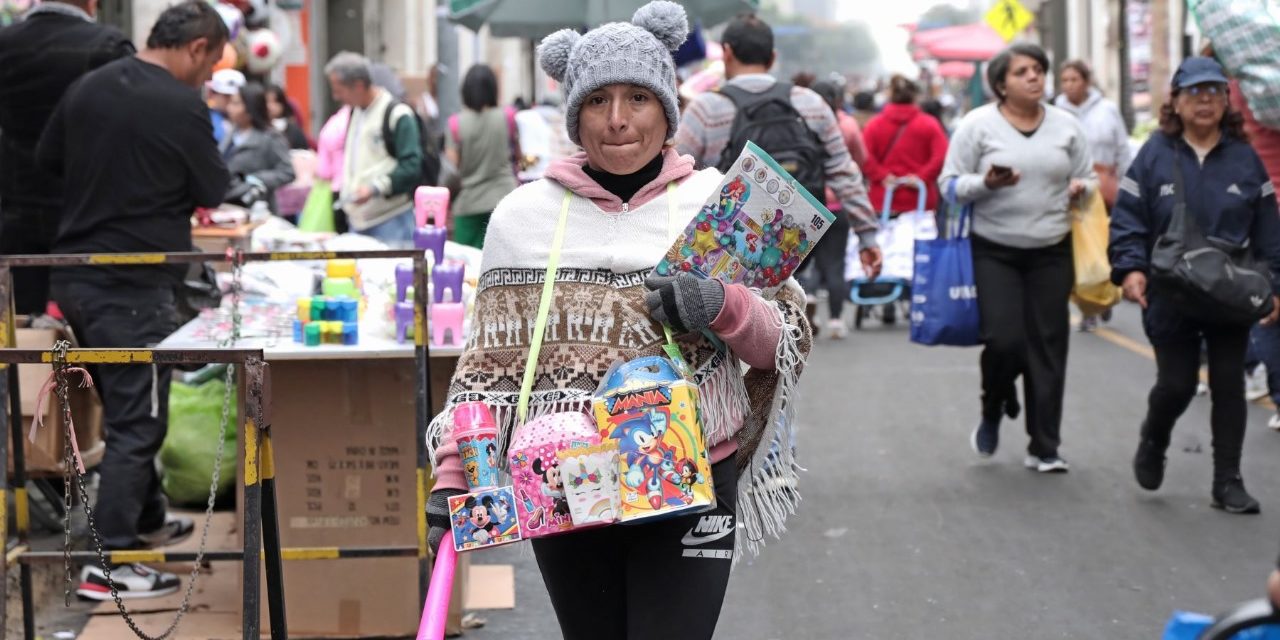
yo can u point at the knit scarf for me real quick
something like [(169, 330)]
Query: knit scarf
[(598, 317)]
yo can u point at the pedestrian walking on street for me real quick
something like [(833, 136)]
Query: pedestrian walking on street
[(380, 172), (1021, 163), (709, 126), (1231, 199), (620, 202), (256, 154), (134, 146), (481, 144), (54, 45), (904, 142)]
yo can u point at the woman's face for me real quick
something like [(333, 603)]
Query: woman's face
[(1202, 106), (237, 112), (274, 108), (622, 128), (1073, 85), (1024, 82)]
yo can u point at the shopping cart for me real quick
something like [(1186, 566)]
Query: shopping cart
[(885, 291)]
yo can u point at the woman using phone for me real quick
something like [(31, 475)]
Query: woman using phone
[(1020, 163)]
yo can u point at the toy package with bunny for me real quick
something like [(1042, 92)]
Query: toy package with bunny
[(651, 411), (755, 230)]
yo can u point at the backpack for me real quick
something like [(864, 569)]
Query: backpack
[(770, 121), (430, 150)]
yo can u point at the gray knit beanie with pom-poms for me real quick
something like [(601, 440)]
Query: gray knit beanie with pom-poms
[(639, 53)]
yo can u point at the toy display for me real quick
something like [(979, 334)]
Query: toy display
[(591, 483), (651, 411), (447, 319), (431, 206), (538, 479), (755, 230), (486, 516)]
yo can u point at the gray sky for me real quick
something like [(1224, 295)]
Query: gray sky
[(884, 16)]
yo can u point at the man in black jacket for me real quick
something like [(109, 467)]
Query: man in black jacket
[(134, 145), (39, 58)]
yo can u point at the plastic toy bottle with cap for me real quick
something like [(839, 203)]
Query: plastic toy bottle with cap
[(476, 433)]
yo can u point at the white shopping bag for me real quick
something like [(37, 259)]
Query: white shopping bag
[(897, 242)]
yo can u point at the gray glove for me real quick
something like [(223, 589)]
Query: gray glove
[(684, 302), (438, 524)]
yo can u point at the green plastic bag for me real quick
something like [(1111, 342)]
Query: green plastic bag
[(186, 458), (317, 213)]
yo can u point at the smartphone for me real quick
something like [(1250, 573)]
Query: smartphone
[(1001, 170)]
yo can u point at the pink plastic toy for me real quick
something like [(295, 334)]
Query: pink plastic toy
[(447, 317), (448, 277), (431, 239), (435, 611), (404, 321), (404, 280), (431, 205)]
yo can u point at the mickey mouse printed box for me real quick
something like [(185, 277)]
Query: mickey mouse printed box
[(651, 411), (484, 518)]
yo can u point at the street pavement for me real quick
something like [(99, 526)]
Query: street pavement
[(905, 533)]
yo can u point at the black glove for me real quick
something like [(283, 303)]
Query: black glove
[(438, 524), (684, 302)]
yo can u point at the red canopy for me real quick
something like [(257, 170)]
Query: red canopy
[(955, 69), (970, 42)]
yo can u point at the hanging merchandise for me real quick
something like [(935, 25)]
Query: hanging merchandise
[(232, 17), (264, 51), (539, 480), (486, 516), (230, 58)]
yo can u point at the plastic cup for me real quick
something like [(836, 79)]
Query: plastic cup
[(476, 434)]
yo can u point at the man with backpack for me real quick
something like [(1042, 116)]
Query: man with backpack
[(384, 159), (793, 124)]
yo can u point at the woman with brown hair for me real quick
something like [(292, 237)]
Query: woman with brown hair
[(1230, 198), (1103, 125)]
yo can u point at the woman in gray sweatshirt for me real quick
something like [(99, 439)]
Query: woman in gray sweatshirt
[(1021, 163)]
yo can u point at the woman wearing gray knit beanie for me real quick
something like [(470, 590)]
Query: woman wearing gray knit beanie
[(608, 215)]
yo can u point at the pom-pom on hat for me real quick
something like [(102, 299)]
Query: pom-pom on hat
[(638, 52)]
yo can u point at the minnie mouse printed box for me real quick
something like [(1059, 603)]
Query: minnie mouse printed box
[(536, 474)]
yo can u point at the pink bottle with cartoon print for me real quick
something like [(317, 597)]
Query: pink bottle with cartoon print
[(541, 500)]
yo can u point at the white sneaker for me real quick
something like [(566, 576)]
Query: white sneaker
[(1274, 422), (1046, 465), (836, 329), (1255, 384), (1202, 388), (131, 581)]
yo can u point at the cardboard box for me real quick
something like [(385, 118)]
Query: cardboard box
[(345, 459), (45, 455)]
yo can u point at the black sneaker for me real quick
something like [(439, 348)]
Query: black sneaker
[(174, 530), (132, 581), (1231, 497), (1148, 465), (985, 438)]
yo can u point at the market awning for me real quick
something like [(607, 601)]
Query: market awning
[(956, 70), (970, 42)]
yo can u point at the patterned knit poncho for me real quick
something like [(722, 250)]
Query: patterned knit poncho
[(598, 317)]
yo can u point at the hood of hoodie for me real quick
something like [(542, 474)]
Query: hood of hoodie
[(900, 113), (569, 173), (1095, 97)]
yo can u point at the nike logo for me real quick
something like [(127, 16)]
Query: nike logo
[(708, 529)]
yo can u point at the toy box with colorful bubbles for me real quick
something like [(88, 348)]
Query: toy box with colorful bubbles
[(755, 230), (538, 480), (484, 518), (651, 411)]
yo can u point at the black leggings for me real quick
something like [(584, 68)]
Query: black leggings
[(662, 580), (1022, 299), (1177, 374)]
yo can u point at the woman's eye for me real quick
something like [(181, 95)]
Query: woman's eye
[(639, 97), (597, 100)]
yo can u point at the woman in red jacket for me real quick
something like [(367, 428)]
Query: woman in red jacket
[(903, 141)]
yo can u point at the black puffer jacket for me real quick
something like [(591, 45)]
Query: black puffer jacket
[(39, 58)]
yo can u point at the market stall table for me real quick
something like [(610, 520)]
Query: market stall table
[(345, 447)]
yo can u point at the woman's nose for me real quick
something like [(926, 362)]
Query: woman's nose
[(617, 116)]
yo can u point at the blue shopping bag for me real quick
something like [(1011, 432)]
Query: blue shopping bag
[(944, 294), (1191, 626)]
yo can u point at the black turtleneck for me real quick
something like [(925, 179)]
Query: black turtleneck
[(626, 186)]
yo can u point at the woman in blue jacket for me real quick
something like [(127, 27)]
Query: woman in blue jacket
[(1232, 200)]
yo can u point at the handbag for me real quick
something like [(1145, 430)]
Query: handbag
[(944, 293), (1210, 280)]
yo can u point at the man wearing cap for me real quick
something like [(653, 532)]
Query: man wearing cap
[(225, 83), (55, 43), (1230, 198)]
